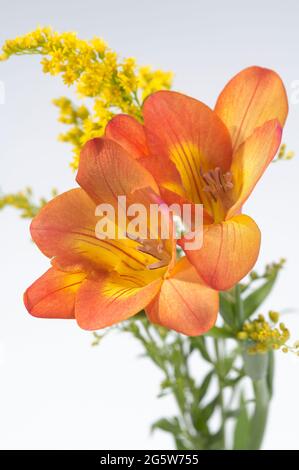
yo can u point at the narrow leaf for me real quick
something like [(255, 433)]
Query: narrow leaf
[(204, 386), (199, 343), (242, 429), (168, 425), (209, 409), (180, 445), (217, 332), (199, 421), (253, 301), (228, 363), (227, 310)]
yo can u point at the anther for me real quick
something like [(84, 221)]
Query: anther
[(155, 248), (216, 182)]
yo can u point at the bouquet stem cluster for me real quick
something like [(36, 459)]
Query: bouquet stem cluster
[(221, 380)]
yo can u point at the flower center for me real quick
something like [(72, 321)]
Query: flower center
[(217, 186), (155, 248), (217, 183)]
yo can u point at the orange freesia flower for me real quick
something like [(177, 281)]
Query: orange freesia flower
[(102, 282), (214, 157)]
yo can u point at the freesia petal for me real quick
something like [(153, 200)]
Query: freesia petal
[(229, 251), (184, 303), (190, 134), (251, 98), (66, 229), (62, 225), (93, 147), (171, 197), (129, 133), (109, 298), (165, 173), (251, 160), (53, 294), (111, 172)]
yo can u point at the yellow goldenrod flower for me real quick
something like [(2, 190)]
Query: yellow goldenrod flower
[(261, 336), (24, 202), (242, 335), (284, 154), (96, 71), (274, 316)]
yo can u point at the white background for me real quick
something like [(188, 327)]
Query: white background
[(55, 390)]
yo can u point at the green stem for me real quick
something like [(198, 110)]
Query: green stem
[(219, 377), (239, 305), (256, 369), (137, 101), (259, 419)]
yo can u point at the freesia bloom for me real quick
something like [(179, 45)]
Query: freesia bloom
[(101, 282), (214, 157)]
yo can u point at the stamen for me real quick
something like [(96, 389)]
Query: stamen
[(216, 182), (155, 248)]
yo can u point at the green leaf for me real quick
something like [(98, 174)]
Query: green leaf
[(199, 343), (170, 425), (97, 338), (180, 445), (242, 429), (232, 413), (140, 316), (209, 409), (227, 309), (154, 353), (199, 422), (166, 383), (202, 390), (253, 301), (232, 382), (200, 416), (217, 332), (215, 441), (179, 390), (228, 363)]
